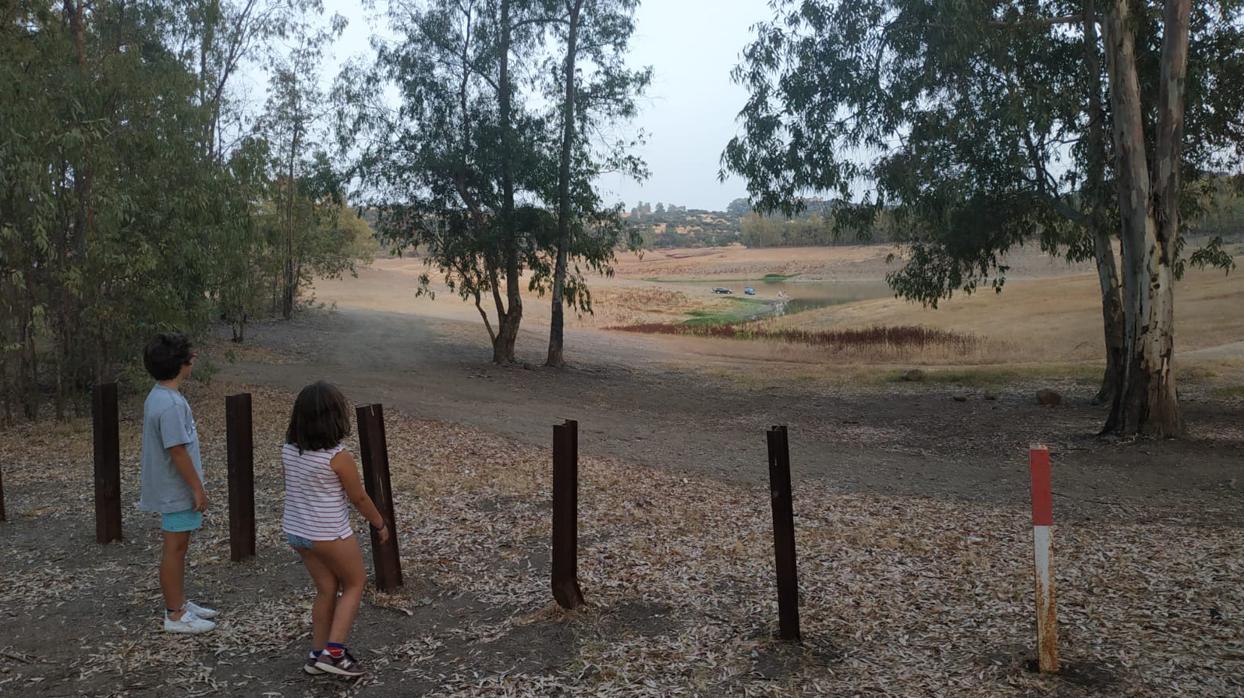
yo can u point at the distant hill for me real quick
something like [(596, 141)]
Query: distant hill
[(664, 226)]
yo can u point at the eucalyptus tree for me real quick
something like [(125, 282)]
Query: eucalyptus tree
[(295, 124), (217, 39), (116, 217), (983, 126), (107, 200), (460, 167), (597, 90)]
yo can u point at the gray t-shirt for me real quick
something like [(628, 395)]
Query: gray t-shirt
[(167, 422)]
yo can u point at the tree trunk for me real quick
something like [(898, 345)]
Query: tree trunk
[(291, 278), (1148, 402), (1112, 317), (556, 325), (507, 325), (9, 390), (211, 17), (503, 344), (83, 219), (1103, 245), (27, 368)]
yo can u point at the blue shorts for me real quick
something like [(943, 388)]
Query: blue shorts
[(182, 521), (297, 542)]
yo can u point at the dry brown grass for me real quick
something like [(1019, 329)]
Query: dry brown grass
[(742, 263), (1048, 314), (632, 305), (839, 262), (1056, 319), (866, 345)]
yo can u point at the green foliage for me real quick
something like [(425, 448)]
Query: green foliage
[(1220, 210), (465, 171), (736, 310), (123, 209), (435, 166), (807, 228), (677, 226), (966, 124)]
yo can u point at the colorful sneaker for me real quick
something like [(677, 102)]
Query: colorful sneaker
[(188, 624), (196, 609), (310, 667), (345, 665)]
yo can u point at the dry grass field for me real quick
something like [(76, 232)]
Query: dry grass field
[(1046, 319)]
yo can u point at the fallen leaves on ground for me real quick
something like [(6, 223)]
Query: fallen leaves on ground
[(900, 596)]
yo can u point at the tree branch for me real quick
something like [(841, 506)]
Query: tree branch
[(1038, 22)]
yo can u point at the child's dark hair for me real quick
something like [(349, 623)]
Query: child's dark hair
[(165, 354), (321, 418)]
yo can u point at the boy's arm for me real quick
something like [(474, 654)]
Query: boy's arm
[(347, 472), (185, 468)]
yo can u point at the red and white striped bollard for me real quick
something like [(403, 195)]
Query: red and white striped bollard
[(1043, 559)]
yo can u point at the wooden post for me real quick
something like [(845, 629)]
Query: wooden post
[(107, 463), (1043, 559), (565, 572), (385, 558), (783, 534), (240, 452), (2, 514)]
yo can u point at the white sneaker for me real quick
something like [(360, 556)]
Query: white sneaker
[(196, 609), (189, 624)]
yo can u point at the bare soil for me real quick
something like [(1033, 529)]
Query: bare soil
[(657, 401)]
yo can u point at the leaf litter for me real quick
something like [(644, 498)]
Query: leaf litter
[(899, 596)]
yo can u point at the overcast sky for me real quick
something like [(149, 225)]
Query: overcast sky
[(689, 111)]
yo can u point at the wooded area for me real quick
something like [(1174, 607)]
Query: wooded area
[(138, 194), (489, 164), (139, 190), (1079, 127)]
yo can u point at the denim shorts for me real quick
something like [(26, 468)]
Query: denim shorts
[(182, 521), (297, 542)]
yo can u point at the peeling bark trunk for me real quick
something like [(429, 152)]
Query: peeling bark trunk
[(1112, 318), (1148, 402), (1103, 244)]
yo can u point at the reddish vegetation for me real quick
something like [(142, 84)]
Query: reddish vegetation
[(903, 337)]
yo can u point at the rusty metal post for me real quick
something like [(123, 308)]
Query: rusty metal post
[(1043, 559), (375, 451), (783, 534), (565, 559), (240, 454), (107, 431)]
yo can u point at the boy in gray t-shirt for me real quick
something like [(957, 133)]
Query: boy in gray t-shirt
[(172, 476)]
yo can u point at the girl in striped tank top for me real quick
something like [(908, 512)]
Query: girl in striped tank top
[(320, 478)]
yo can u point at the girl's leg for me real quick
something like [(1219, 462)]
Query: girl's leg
[(325, 598), (345, 560)]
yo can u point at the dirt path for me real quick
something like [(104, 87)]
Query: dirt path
[(656, 402)]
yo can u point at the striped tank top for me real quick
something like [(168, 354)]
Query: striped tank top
[(316, 507)]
